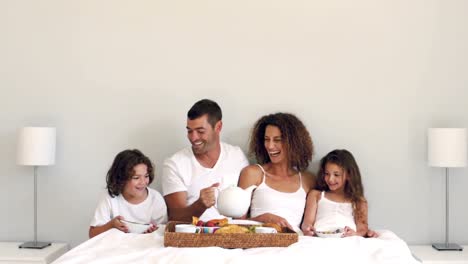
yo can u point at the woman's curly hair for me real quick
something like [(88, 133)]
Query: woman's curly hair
[(122, 170), (294, 134)]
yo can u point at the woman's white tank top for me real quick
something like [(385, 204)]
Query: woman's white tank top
[(332, 214), (290, 206)]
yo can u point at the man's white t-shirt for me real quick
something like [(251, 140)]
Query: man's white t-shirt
[(152, 210), (183, 173)]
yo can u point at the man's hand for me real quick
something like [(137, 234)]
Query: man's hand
[(208, 195)]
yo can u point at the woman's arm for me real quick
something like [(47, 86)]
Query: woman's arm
[(308, 181), (272, 218), (310, 213), (250, 175)]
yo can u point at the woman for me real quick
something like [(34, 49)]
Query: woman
[(283, 149)]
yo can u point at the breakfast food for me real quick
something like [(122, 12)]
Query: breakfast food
[(330, 232), (231, 229), (221, 226), (211, 223)]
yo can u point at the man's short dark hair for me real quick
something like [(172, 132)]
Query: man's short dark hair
[(206, 107)]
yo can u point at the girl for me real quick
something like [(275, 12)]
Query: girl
[(128, 195), (340, 201)]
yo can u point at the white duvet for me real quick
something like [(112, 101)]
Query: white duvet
[(114, 246)]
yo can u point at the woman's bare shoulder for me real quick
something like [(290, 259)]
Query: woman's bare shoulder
[(308, 180), (252, 170), (249, 175)]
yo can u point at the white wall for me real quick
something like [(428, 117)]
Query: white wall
[(370, 76)]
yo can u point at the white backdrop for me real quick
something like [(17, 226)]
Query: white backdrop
[(369, 76)]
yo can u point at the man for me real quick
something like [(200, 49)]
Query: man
[(192, 176)]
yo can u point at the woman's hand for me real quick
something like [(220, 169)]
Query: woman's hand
[(272, 218), (116, 223), (348, 231), (308, 230)]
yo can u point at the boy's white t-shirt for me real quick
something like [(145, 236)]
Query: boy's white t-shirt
[(183, 173), (152, 210)]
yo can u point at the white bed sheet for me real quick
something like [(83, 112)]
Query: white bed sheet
[(114, 246)]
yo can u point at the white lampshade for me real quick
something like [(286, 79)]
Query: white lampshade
[(447, 147), (36, 146)]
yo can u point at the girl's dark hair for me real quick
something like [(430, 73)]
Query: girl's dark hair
[(122, 170), (353, 189), (294, 134)]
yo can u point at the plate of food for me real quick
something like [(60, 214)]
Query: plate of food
[(137, 228), (336, 232)]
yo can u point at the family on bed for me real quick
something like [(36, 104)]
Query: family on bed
[(287, 194)]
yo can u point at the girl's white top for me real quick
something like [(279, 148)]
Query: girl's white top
[(332, 215)]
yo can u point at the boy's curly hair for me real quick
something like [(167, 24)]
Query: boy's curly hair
[(122, 170)]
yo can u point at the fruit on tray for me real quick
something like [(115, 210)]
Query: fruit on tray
[(211, 223)]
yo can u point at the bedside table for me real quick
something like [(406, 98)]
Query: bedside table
[(428, 255), (10, 253)]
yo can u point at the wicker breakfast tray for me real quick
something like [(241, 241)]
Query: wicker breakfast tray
[(250, 240)]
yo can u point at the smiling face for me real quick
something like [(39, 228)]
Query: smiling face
[(335, 177), (202, 135), (135, 187), (274, 144)]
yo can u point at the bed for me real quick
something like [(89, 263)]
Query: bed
[(114, 246)]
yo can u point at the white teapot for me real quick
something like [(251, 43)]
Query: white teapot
[(234, 201)]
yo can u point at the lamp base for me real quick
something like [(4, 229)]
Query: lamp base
[(447, 247), (35, 244)]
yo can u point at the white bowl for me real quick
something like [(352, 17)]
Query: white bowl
[(330, 232), (186, 228), (136, 228), (265, 230)]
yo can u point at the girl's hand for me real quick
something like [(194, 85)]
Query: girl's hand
[(151, 229), (272, 218), (116, 223), (348, 231), (308, 230), (372, 234)]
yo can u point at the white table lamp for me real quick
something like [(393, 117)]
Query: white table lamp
[(447, 148), (36, 147)]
